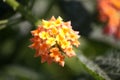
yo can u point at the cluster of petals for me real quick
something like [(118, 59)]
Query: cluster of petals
[(54, 39), (109, 12)]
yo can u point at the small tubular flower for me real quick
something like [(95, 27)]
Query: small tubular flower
[(109, 11), (53, 39)]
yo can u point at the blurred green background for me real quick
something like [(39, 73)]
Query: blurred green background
[(17, 61)]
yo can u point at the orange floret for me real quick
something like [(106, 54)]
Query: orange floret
[(54, 39), (109, 11)]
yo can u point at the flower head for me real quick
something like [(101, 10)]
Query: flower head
[(109, 11), (54, 39)]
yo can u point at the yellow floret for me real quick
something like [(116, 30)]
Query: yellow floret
[(46, 24), (44, 35), (51, 41)]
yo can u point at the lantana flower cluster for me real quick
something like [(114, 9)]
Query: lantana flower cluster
[(109, 12), (54, 39)]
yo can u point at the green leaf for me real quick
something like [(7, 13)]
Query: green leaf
[(92, 68), (110, 63)]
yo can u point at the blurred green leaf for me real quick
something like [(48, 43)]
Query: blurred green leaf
[(17, 72), (3, 21)]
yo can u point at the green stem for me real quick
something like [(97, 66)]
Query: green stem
[(24, 11)]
